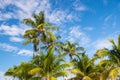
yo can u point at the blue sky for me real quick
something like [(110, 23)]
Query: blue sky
[(89, 22)]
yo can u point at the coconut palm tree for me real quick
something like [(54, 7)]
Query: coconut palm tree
[(113, 59), (72, 48), (41, 31), (49, 66), (84, 68)]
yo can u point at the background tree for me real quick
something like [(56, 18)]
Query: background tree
[(112, 59), (84, 68), (72, 48)]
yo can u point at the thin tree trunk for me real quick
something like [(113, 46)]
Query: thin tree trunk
[(35, 50)]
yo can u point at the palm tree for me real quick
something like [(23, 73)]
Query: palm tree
[(113, 59), (12, 72), (114, 54), (72, 49), (56, 44), (21, 71), (84, 68), (49, 66), (41, 31)]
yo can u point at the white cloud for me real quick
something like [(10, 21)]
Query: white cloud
[(76, 34), (44, 5), (59, 16), (5, 3), (15, 39), (25, 52), (75, 31), (79, 6), (102, 43), (7, 47), (11, 30), (14, 49), (6, 16), (24, 8)]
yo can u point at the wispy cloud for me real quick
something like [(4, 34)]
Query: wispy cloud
[(110, 20), (11, 30), (13, 49), (76, 34), (16, 39), (102, 43), (60, 16), (6, 16), (14, 31), (23, 8), (79, 6), (107, 18), (8, 48), (5, 3), (25, 52)]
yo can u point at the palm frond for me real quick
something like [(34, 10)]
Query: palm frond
[(77, 71), (114, 73), (27, 41), (102, 53), (35, 70), (113, 43), (61, 73), (119, 42), (52, 36), (104, 75), (29, 22), (61, 67)]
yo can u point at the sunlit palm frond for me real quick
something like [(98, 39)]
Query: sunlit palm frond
[(114, 73), (35, 70), (102, 53), (77, 71)]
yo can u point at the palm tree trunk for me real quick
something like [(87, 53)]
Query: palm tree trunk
[(35, 50)]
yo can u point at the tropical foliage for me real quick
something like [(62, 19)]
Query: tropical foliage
[(49, 65), (84, 68), (41, 31), (50, 56)]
